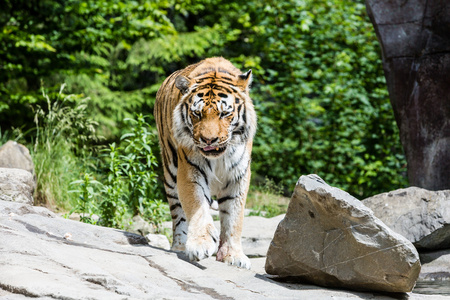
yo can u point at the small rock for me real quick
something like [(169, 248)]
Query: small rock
[(158, 241), (422, 216), (17, 156), (68, 236), (16, 185), (330, 238), (140, 226)]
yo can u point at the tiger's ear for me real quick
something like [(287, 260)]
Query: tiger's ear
[(183, 83), (245, 80)]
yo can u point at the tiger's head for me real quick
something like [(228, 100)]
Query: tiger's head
[(215, 111)]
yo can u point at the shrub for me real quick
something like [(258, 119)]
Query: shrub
[(129, 184)]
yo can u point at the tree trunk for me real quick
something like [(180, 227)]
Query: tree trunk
[(415, 42)]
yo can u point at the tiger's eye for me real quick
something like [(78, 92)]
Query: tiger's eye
[(196, 114)]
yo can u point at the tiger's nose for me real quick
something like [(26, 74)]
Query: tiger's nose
[(209, 141)]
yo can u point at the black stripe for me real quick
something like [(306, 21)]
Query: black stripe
[(208, 163), (174, 217), (161, 124), (197, 168), (224, 86), (210, 201), (167, 184), (174, 154), (164, 157), (199, 80), (172, 176), (239, 177), (186, 117), (172, 207), (226, 78), (223, 199), (235, 164), (183, 117), (214, 239), (187, 131), (239, 110), (181, 220), (171, 196), (239, 131), (224, 212)]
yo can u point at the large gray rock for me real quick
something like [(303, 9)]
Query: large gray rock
[(48, 257), (422, 216), (415, 41), (330, 238), (16, 185), (15, 155)]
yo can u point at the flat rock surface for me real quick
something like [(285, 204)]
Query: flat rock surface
[(330, 238), (420, 215), (48, 257)]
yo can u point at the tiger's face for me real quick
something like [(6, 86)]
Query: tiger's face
[(212, 112)]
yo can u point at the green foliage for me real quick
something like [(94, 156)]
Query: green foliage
[(322, 103), (61, 41), (138, 162), (129, 185), (112, 207), (85, 199)]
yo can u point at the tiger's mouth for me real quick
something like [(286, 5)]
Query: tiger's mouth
[(213, 150)]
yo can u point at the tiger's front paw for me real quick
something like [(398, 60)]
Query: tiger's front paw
[(202, 243), (233, 257)]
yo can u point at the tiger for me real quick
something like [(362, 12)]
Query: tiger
[(206, 123)]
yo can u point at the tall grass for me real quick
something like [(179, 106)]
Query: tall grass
[(63, 130)]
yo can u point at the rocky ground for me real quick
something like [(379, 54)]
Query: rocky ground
[(47, 257)]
